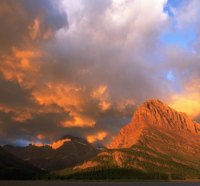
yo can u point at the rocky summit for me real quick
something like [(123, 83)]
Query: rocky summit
[(155, 115)]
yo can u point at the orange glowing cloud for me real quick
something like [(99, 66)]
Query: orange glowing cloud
[(20, 67), (189, 100), (22, 116), (5, 109), (67, 97), (62, 95), (25, 54), (96, 137), (189, 104), (41, 136), (104, 105), (101, 94), (100, 91), (34, 29), (18, 114), (121, 105), (79, 121)]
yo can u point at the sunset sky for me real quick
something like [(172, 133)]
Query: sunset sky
[(81, 67)]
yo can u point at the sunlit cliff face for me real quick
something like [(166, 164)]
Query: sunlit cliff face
[(82, 67)]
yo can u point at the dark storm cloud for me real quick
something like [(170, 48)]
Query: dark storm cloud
[(47, 11), (16, 18), (12, 94)]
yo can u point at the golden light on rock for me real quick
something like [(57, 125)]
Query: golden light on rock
[(55, 145), (59, 143)]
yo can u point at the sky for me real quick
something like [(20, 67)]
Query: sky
[(82, 67)]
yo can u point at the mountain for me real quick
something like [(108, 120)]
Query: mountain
[(12, 167), (158, 143), (155, 116), (66, 152)]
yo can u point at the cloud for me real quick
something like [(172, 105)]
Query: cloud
[(20, 66), (82, 67), (101, 94), (187, 15), (35, 29), (78, 121), (188, 100), (97, 137), (41, 136), (23, 20), (68, 97)]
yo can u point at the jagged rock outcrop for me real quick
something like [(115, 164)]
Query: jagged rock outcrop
[(154, 114)]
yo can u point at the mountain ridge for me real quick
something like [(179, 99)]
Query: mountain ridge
[(153, 113), (61, 154), (158, 143)]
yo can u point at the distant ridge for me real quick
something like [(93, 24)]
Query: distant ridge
[(66, 152)]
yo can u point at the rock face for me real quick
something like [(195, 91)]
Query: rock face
[(153, 114), (66, 152)]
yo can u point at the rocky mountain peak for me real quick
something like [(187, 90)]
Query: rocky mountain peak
[(153, 114)]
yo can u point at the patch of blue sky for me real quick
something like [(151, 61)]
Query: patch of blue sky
[(22, 142), (183, 39), (170, 76), (174, 35), (172, 80), (171, 4), (175, 3), (168, 8), (175, 84)]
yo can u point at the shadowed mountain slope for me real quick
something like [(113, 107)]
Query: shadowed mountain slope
[(12, 167), (66, 152)]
